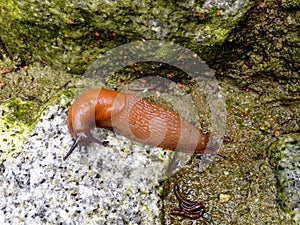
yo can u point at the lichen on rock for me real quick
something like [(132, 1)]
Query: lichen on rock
[(285, 157)]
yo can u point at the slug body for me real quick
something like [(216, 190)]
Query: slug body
[(135, 118)]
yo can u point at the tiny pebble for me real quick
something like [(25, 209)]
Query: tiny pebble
[(224, 198)]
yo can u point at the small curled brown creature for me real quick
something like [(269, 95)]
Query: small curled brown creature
[(187, 208), (135, 118)]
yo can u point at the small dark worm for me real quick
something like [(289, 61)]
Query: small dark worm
[(192, 216), (180, 198), (195, 208), (188, 209)]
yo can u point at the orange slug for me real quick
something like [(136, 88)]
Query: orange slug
[(135, 118)]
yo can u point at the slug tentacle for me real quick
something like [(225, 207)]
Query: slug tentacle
[(81, 137), (73, 146), (135, 118)]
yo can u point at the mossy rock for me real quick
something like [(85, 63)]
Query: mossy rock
[(71, 34), (285, 157), (18, 118)]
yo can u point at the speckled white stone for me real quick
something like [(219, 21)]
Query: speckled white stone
[(113, 184)]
